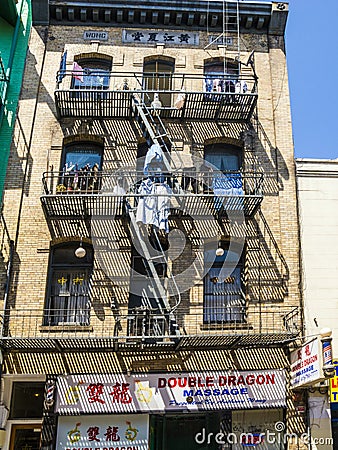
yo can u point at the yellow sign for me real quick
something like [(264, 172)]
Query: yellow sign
[(334, 385)]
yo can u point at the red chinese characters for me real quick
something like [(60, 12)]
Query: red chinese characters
[(120, 393), (95, 391), (93, 433), (112, 434)]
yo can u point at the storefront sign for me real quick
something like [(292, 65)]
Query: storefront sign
[(95, 432), (334, 384), (95, 36), (159, 37), (306, 367), (116, 393)]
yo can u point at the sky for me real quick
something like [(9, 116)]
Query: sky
[(312, 56)]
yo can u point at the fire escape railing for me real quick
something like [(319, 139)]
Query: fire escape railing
[(182, 96)]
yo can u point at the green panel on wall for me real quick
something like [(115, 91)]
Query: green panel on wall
[(15, 44)]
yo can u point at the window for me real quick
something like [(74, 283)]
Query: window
[(27, 400), (157, 75), (220, 75), (80, 166), (91, 71), (25, 436), (228, 160), (224, 299), (225, 157), (68, 300)]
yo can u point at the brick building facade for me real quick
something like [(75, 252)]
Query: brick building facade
[(150, 303)]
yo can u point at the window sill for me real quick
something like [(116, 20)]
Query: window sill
[(65, 327)]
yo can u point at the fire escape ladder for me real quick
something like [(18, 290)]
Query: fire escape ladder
[(154, 129), (156, 287)]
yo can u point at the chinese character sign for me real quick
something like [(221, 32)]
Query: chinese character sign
[(103, 432), (159, 37), (118, 393), (306, 364)]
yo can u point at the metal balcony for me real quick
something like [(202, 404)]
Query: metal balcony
[(182, 96), (36, 330), (199, 194)]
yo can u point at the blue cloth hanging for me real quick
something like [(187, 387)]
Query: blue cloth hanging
[(62, 70)]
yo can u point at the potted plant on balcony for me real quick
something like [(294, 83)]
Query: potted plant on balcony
[(60, 188)]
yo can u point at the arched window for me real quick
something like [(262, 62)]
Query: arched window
[(91, 71), (68, 291), (81, 163), (224, 298), (157, 75), (220, 75), (224, 156)]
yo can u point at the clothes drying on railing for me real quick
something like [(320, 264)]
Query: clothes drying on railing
[(153, 207), (241, 87), (84, 179), (77, 71), (179, 103), (227, 185), (154, 160)]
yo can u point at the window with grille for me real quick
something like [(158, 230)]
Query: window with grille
[(69, 283), (224, 298)]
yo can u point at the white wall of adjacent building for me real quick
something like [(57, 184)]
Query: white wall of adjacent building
[(317, 182)]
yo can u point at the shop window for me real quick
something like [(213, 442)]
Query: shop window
[(81, 166), (25, 437), (158, 76), (179, 432), (224, 298), (91, 72), (27, 400), (69, 282)]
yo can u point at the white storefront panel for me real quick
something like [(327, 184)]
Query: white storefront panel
[(117, 393)]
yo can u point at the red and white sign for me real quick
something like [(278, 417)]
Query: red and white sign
[(306, 366), (117, 393), (95, 432)]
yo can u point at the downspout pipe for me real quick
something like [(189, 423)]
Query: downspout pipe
[(8, 284)]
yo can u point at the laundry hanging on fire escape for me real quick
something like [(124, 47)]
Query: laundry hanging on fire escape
[(153, 207), (154, 160), (228, 185)]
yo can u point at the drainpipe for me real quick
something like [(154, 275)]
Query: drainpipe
[(8, 284)]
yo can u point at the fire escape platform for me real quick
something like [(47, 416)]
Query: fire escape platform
[(32, 331), (201, 106), (214, 195), (77, 207), (87, 344)]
